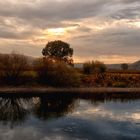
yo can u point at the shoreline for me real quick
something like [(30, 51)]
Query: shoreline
[(45, 90)]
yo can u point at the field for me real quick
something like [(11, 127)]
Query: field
[(113, 78)]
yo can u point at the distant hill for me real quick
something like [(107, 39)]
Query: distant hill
[(110, 66), (132, 66), (135, 65), (114, 66)]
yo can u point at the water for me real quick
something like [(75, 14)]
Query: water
[(69, 117)]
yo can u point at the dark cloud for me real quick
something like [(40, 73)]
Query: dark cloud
[(95, 27), (128, 13), (52, 10), (51, 13), (128, 1), (115, 41)]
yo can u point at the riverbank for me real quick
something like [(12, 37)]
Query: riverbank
[(44, 90)]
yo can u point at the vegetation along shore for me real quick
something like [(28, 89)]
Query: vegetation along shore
[(56, 69)]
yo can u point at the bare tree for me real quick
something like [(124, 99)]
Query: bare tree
[(12, 66)]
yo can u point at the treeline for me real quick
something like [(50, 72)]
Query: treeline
[(16, 69), (19, 70), (56, 69)]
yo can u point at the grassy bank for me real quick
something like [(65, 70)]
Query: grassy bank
[(43, 90)]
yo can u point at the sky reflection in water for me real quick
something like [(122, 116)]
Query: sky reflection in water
[(65, 117)]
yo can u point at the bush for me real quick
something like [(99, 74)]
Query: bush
[(42, 68), (94, 67), (100, 67), (88, 67), (56, 74), (28, 78), (12, 66), (124, 66)]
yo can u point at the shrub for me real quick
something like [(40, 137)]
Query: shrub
[(100, 67), (57, 74), (42, 68), (94, 67), (124, 66), (88, 67), (12, 66), (28, 78)]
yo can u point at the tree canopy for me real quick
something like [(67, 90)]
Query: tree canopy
[(58, 50)]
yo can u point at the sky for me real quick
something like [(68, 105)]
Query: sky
[(105, 30)]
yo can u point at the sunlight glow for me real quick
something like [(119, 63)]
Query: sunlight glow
[(56, 31), (137, 24)]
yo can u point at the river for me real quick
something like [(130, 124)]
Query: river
[(69, 117)]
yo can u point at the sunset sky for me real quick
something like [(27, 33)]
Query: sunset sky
[(105, 30)]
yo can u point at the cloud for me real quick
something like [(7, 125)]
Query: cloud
[(92, 27), (51, 9)]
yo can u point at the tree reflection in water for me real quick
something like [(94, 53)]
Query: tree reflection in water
[(55, 105), (13, 110)]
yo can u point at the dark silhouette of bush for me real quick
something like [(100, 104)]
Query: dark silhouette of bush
[(124, 66), (43, 67), (12, 66), (28, 78), (56, 74), (88, 67), (100, 67), (94, 67)]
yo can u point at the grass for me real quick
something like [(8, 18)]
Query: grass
[(112, 79)]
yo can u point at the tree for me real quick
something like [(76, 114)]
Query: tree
[(58, 51), (88, 67), (13, 111), (124, 66), (54, 106), (100, 67), (94, 67), (56, 74), (12, 66)]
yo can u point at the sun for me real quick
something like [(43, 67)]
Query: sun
[(56, 31), (137, 24)]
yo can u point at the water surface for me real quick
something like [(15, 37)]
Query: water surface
[(69, 117)]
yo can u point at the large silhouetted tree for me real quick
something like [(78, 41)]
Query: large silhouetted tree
[(59, 51)]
